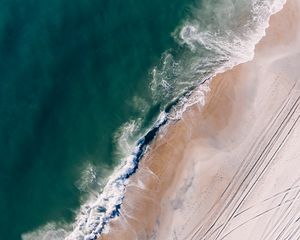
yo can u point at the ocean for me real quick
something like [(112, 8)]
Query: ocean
[(85, 86)]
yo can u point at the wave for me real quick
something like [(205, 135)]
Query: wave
[(217, 36), (95, 215)]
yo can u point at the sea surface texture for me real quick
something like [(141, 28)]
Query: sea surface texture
[(84, 87)]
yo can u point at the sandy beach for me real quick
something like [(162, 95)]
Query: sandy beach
[(229, 169)]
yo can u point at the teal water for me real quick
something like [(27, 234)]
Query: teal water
[(69, 74)]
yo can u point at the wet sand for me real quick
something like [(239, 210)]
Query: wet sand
[(230, 169)]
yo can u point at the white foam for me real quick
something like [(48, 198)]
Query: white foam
[(233, 48), (126, 136), (88, 177), (140, 104), (91, 218), (50, 231), (197, 96)]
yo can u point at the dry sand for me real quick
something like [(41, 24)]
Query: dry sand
[(231, 169)]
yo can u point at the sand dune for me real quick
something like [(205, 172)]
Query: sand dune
[(230, 169)]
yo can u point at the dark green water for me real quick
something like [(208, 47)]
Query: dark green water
[(68, 74)]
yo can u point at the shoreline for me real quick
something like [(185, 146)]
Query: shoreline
[(156, 179)]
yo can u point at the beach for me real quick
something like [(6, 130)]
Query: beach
[(229, 169)]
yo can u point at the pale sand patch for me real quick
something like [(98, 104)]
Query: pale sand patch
[(220, 171)]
